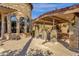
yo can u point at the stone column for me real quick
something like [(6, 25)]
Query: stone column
[(2, 25), (8, 26), (74, 34), (54, 33), (53, 24), (30, 25), (36, 31), (43, 32), (17, 25), (25, 26)]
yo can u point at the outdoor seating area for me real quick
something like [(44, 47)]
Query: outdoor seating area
[(52, 33), (61, 23)]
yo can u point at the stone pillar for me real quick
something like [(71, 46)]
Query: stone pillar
[(2, 25), (74, 37), (17, 25), (30, 25), (76, 32), (53, 24), (43, 32), (8, 26), (36, 31), (54, 33), (25, 26)]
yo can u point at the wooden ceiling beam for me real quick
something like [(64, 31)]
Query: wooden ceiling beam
[(44, 23), (57, 20)]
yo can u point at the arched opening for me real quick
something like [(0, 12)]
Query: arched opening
[(13, 24)]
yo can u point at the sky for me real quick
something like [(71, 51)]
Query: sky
[(41, 8)]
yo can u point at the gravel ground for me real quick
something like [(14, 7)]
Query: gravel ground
[(55, 48), (34, 47)]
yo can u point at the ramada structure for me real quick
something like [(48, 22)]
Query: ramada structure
[(66, 23), (18, 11)]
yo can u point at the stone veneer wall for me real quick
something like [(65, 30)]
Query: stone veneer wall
[(74, 43)]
